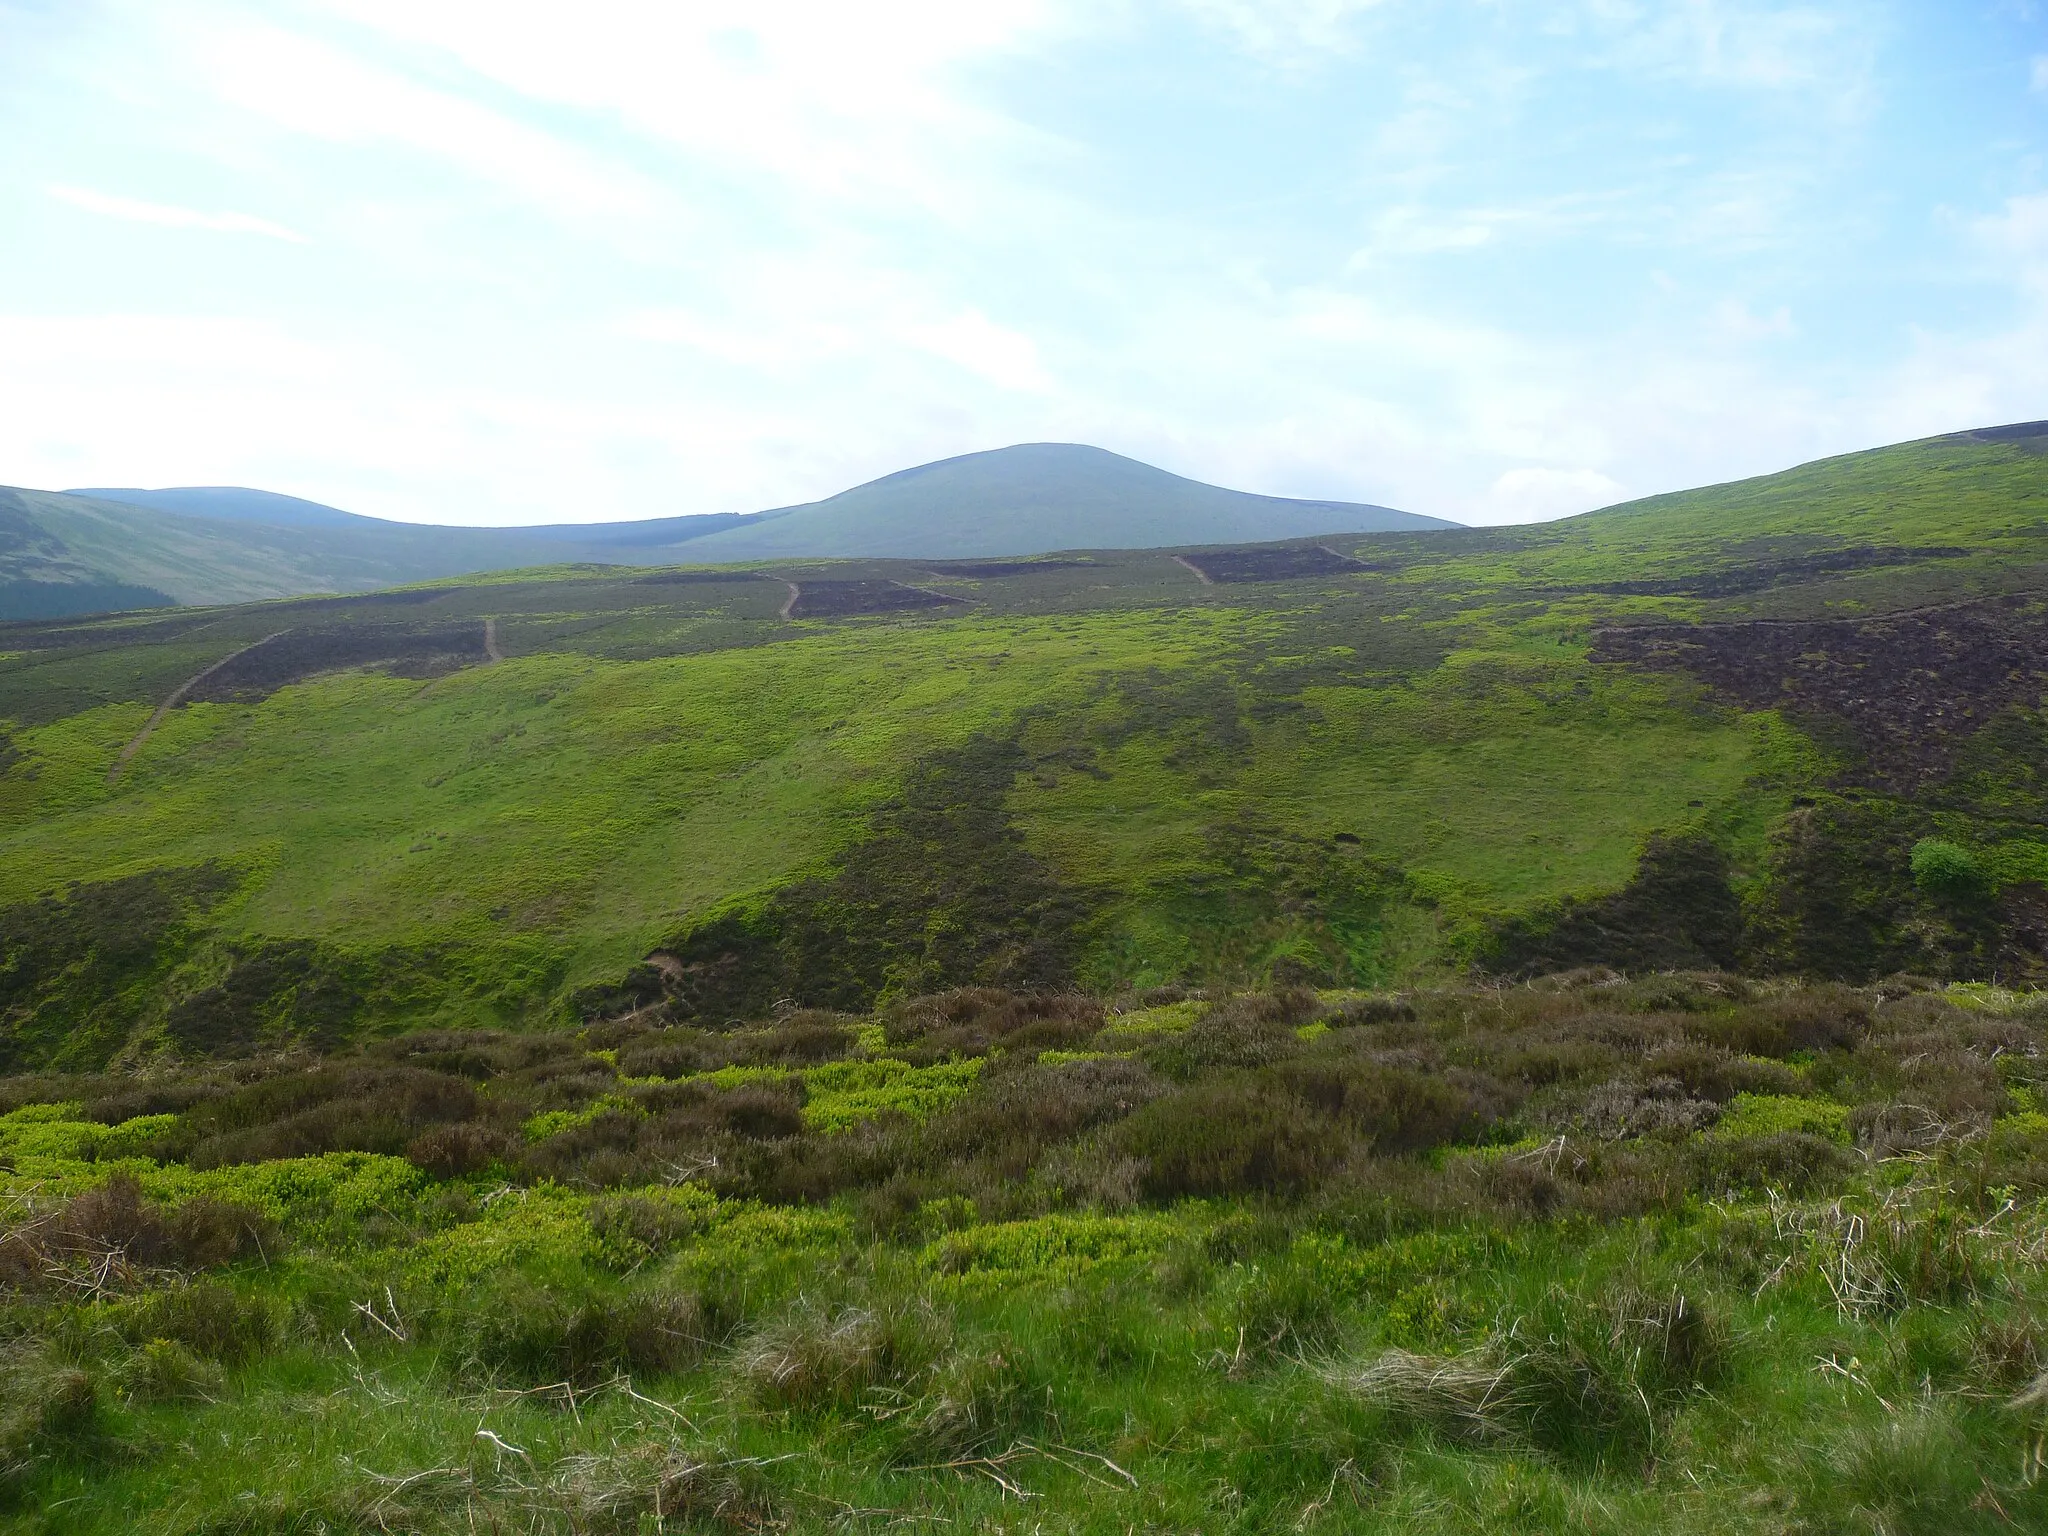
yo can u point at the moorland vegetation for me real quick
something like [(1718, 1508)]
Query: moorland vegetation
[(1515, 1030), (1688, 1252)]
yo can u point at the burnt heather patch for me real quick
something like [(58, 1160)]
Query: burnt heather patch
[(940, 892), (1269, 562), (841, 599), (1737, 581), (302, 653), (985, 570), (1910, 687)]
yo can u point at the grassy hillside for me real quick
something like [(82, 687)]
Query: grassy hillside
[(1503, 1030), (1365, 769), (1033, 498)]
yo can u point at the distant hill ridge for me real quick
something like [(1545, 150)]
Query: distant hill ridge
[(1034, 498), (82, 550)]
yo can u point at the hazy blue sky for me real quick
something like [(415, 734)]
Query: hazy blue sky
[(482, 260)]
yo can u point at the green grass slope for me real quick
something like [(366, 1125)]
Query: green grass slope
[(1505, 1031), (1033, 498), (844, 781)]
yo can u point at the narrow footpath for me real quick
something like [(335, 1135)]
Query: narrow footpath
[(175, 699)]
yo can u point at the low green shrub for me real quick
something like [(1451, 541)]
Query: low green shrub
[(1393, 1109)]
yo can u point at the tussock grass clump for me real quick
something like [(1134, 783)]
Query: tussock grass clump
[(167, 1371), (1588, 1381), (621, 1491), (535, 1335), (973, 1400), (818, 1356)]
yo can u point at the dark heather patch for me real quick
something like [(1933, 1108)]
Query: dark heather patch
[(1909, 687), (1270, 563), (941, 892), (1679, 912), (1737, 581), (302, 653), (839, 599), (76, 971), (411, 598), (280, 992), (985, 570), (1839, 901), (2024, 434)]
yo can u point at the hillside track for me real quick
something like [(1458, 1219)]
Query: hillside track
[(1199, 574), (175, 699), (491, 640)]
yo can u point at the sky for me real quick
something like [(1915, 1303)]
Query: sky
[(497, 262)]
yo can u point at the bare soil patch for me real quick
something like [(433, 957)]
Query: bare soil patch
[(1266, 562)]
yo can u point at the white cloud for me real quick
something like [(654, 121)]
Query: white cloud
[(1293, 30), (1535, 495), (1736, 321), (848, 101), (1004, 357), (136, 211), (311, 87), (1750, 44)]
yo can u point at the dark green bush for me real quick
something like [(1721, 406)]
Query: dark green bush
[(359, 1107), (640, 1226), (1250, 1031), (1949, 870), (1014, 1115), (205, 1232), (449, 1151)]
